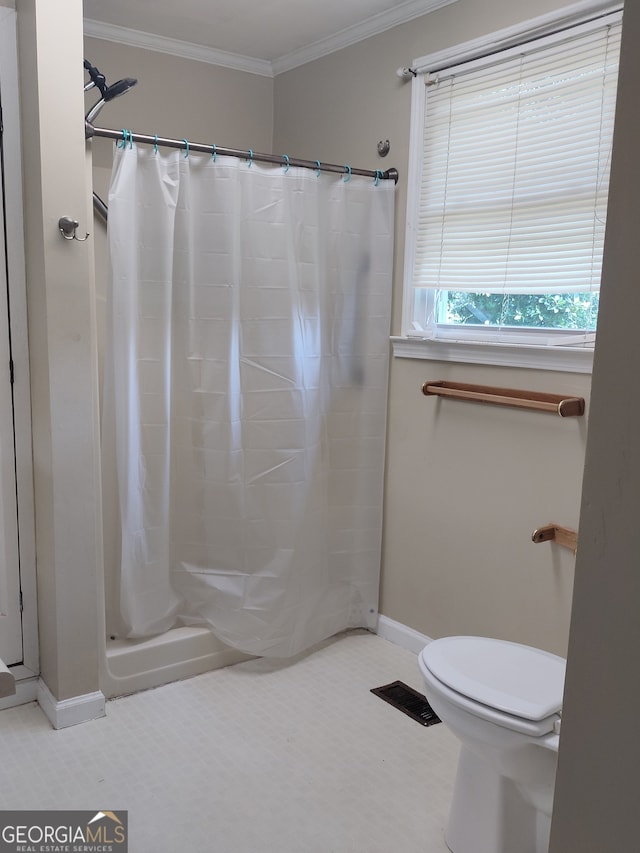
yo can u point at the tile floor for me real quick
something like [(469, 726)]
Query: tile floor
[(260, 757)]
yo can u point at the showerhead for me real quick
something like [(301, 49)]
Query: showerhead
[(119, 88), (108, 93)]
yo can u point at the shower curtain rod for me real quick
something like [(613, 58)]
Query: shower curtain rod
[(278, 159)]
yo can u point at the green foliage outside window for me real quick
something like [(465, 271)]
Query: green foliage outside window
[(551, 310)]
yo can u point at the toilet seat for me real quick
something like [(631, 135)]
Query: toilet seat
[(516, 686)]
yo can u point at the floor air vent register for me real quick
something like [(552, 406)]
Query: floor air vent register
[(407, 700)]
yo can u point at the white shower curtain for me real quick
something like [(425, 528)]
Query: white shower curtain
[(246, 362)]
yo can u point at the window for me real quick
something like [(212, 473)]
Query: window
[(509, 175)]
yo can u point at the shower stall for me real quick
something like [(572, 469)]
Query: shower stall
[(244, 403)]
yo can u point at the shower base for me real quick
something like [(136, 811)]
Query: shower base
[(133, 665)]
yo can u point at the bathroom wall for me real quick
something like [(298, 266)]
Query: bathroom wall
[(465, 485), (599, 740), (181, 98), (61, 328), (426, 487)]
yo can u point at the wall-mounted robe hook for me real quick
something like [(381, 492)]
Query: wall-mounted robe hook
[(68, 227)]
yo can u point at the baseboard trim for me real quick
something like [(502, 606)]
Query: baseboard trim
[(401, 635), (69, 712)]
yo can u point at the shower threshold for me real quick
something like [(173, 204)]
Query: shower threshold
[(133, 665)]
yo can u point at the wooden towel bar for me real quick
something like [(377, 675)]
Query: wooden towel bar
[(564, 536), (555, 404)]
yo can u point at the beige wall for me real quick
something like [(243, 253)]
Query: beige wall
[(61, 325), (602, 693), (465, 485), (181, 98)]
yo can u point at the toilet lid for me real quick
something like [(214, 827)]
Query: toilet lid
[(513, 678)]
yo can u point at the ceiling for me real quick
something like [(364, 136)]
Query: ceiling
[(278, 34)]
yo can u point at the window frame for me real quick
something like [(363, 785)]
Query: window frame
[(535, 348)]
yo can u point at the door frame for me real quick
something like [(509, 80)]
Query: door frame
[(17, 294)]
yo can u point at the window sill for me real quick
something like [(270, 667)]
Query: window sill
[(567, 359)]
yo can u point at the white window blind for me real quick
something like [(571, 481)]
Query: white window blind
[(515, 170)]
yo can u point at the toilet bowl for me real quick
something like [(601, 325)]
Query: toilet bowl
[(503, 701)]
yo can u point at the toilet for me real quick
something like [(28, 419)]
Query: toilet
[(503, 701)]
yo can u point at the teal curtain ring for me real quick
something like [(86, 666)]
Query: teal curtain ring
[(347, 177), (285, 157), (319, 168), (379, 175), (155, 144), (127, 136), (250, 157), (186, 146), (214, 153)]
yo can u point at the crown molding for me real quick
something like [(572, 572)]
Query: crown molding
[(176, 47), (400, 14)]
